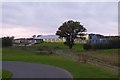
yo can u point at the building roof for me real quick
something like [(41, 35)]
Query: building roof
[(47, 37)]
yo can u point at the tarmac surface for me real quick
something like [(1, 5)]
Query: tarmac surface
[(32, 70)]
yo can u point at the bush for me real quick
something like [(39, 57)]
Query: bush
[(87, 46), (100, 46), (112, 44), (42, 53), (115, 43), (7, 41), (47, 49)]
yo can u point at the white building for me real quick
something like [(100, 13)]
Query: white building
[(90, 38), (50, 38), (55, 38), (27, 40)]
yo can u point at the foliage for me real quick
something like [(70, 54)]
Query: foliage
[(6, 75), (46, 49), (112, 44), (42, 53), (87, 46), (7, 41), (70, 30)]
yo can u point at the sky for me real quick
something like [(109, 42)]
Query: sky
[(25, 19)]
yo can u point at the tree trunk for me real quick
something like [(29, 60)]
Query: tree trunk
[(70, 46)]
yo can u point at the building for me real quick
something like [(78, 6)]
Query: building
[(55, 38), (50, 38), (19, 40), (96, 39), (27, 41), (83, 38)]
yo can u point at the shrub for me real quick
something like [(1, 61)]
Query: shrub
[(7, 41), (112, 43), (100, 46), (87, 46), (42, 53), (47, 49), (115, 43)]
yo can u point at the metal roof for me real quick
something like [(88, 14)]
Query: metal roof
[(47, 37)]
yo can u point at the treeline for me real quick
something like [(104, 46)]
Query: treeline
[(112, 43), (7, 41)]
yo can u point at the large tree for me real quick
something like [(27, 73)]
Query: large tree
[(70, 30)]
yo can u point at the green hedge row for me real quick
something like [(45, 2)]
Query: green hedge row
[(7, 41), (110, 45)]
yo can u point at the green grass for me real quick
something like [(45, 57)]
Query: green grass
[(0, 54), (53, 45), (76, 47), (0, 72), (6, 74), (106, 51), (78, 70)]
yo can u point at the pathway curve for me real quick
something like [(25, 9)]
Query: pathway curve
[(32, 70)]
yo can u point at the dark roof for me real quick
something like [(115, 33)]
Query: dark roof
[(112, 36)]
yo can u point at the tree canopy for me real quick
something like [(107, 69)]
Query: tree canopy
[(7, 41), (70, 30)]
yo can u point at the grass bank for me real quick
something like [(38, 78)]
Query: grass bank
[(78, 70), (76, 47)]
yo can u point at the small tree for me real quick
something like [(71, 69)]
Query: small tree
[(7, 41), (70, 30)]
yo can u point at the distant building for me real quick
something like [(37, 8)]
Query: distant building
[(83, 38), (27, 41), (55, 38), (50, 38), (96, 39), (112, 37), (19, 40)]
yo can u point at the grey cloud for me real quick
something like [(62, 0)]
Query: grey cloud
[(49, 16)]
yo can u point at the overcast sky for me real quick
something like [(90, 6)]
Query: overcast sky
[(24, 19)]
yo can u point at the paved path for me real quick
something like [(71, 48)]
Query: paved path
[(31, 70)]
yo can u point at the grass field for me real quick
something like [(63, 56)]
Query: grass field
[(53, 45), (0, 54), (104, 54), (78, 70), (0, 72), (76, 47)]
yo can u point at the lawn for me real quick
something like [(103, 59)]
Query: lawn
[(0, 54), (78, 70), (53, 45), (76, 47)]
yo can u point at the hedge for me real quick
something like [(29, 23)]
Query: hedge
[(115, 43)]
